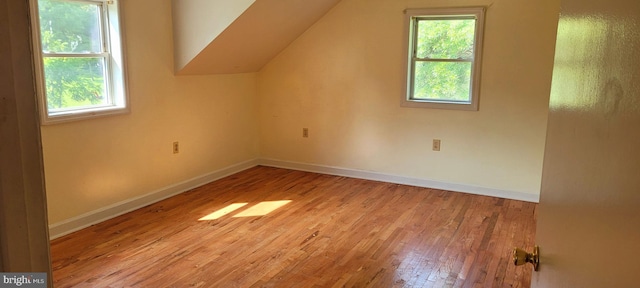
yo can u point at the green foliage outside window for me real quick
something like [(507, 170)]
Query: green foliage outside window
[(438, 40), (72, 46)]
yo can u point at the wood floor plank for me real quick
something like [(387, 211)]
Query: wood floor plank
[(334, 232)]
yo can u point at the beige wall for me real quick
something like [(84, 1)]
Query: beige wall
[(343, 80), (95, 163)]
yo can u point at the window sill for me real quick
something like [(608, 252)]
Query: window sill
[(440, 105), (69, 116)]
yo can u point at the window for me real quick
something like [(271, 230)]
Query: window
[(79, 59), (443, 60)]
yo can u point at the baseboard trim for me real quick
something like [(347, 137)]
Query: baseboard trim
[(68, 226), (376, 176), (74, 224)]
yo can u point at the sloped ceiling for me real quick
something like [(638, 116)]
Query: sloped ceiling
[(238, 36)]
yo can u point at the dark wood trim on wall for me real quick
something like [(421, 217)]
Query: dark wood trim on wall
[(24, 236)]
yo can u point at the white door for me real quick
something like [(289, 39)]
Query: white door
[(589, 213)]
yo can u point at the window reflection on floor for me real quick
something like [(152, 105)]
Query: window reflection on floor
[(260, 209)]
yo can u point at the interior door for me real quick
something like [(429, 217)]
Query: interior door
[(589, 213)]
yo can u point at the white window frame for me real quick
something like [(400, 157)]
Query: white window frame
[(115, 66), (411, 18)]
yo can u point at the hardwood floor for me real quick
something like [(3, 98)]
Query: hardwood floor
[(335, 232)]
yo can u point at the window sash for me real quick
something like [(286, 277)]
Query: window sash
[(444, 17), (415, 33), (114, 99), (442, 60), (416, 59), (105, 55), (104, 30), (453, 101), (78, 55), (106, 72)]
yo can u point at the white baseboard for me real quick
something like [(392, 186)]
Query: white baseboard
[(376, 176), (85, 220)]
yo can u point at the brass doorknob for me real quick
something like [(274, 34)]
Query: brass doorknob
[(520, 257)]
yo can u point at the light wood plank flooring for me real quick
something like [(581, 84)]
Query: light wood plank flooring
[(334, 232)]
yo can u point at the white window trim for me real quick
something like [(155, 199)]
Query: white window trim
[(117, 83), (410, 14)]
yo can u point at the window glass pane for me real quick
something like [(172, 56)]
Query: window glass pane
[(445, 39), (70, 27), (446, 81), (73, 82)]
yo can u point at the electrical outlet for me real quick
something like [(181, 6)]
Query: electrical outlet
[(305, 132), (436, 144), (176, 147)]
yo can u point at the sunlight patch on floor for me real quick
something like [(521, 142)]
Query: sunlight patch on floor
[(262, 208), (223, 211)]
